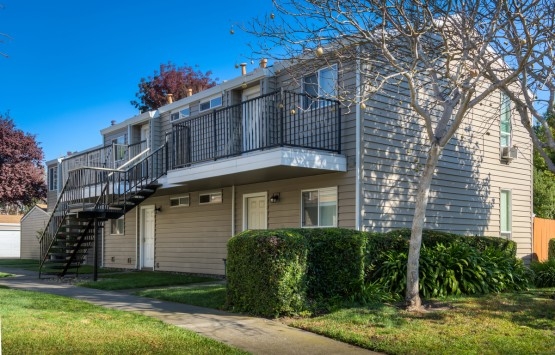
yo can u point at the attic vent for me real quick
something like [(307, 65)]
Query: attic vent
[(509, 153)]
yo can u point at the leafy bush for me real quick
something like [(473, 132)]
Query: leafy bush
[(266, 272), (551, 250), (452, 269), (335, 262), (544, 273)]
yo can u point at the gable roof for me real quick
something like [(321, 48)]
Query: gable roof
[(38, 207)]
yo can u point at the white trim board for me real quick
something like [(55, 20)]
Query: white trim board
[(293, 157)]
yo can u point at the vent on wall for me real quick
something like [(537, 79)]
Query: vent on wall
[(509, 153)]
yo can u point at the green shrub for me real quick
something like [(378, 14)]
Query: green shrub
[(452, 269), (433, 237), (335, 262), (551, 250), (544, 273), (266, 272)]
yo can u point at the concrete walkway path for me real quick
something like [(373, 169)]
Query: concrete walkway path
[(255, 335)]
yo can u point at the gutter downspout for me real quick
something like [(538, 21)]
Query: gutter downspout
[(232, 210), (358, 168)]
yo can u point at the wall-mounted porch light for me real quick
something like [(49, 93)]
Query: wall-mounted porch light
[(274, 198)]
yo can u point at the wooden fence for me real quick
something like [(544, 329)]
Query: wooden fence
[(544, 229)]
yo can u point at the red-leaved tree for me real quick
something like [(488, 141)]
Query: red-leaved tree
[(173, 80), (21, 170)]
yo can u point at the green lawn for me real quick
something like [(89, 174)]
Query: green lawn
[(509, 323), (210, 296), (27, 264), (142, 279), (3, 274), (38, 323)]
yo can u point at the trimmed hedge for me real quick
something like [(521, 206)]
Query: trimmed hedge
[(266, 272), (288, 271), (335, 262), (551, 250)]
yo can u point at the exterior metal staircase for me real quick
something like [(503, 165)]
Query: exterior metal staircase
[(91, 196)]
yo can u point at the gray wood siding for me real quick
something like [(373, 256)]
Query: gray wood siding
[(113, 135), (33, 223), (465, 191)]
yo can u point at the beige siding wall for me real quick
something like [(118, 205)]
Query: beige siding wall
[(120, 251), (193, 238), (287, 212), (465, 192), (33, 222)]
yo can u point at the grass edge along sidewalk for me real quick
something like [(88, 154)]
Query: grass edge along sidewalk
[(35, 322)]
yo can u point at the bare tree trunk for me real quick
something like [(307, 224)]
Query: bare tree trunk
[(412, 297)]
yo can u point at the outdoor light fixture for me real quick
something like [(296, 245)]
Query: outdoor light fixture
[(158, 209), (274, 198)]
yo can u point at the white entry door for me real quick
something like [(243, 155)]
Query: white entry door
[(255, 211), (145, 134), (252, 125), (147, 236)]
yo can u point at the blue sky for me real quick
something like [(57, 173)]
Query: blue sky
[(74, 66)]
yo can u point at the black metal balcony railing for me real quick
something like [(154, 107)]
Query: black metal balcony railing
[(110, 156), (268, 121)]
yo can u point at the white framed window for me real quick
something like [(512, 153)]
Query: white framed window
[(179, 201), (319, 207), (119, 145), (53, 178), (211, 103), (183, 113), (505, 211), (205, 198), (322, 84), (505, 121), (117, 226)]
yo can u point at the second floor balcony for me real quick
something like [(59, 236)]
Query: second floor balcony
[(282, 129)]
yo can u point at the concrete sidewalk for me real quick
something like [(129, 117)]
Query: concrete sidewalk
[(256, 335)]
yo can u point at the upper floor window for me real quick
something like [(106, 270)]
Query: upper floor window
[(322, 84), (183, 113), (212, 103), (53, 178), (319, 207), (120, 147), (505, 119)]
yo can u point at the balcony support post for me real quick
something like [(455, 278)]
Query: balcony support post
[(338, 118), (215, 135), (96, 250)]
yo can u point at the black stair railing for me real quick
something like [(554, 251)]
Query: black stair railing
[(94, 192)]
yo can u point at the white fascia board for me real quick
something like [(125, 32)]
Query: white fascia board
[(234, 83), (145, 116), (292, 157)]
